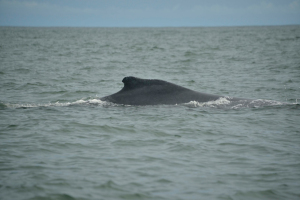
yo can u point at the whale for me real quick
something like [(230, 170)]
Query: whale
[(138, 91)]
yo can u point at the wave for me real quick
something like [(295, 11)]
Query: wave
[(223, 102), (56, 104)]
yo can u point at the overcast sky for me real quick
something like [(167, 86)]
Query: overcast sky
[(145, 13)]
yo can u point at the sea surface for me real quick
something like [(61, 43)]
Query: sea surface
[(58, 140)]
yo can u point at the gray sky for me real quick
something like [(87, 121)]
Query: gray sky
[(145, 13)]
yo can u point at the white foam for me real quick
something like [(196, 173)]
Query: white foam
[(95, 101), (224, 102), (218, 102), (57, 104)]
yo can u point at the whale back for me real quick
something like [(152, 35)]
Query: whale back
[(137, 91), (131, 83)]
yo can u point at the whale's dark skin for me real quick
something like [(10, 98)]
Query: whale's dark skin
[(137, 91)]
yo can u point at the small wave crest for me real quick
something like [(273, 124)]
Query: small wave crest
[(225, 102), (219, 102), (56, 104)]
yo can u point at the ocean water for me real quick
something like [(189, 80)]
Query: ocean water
[(59, 141)]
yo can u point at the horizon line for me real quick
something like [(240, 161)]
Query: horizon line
[(207, 26)]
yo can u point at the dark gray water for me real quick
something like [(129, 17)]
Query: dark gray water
[(59, 141)]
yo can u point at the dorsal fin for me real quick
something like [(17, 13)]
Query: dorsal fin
[(131, 82)]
